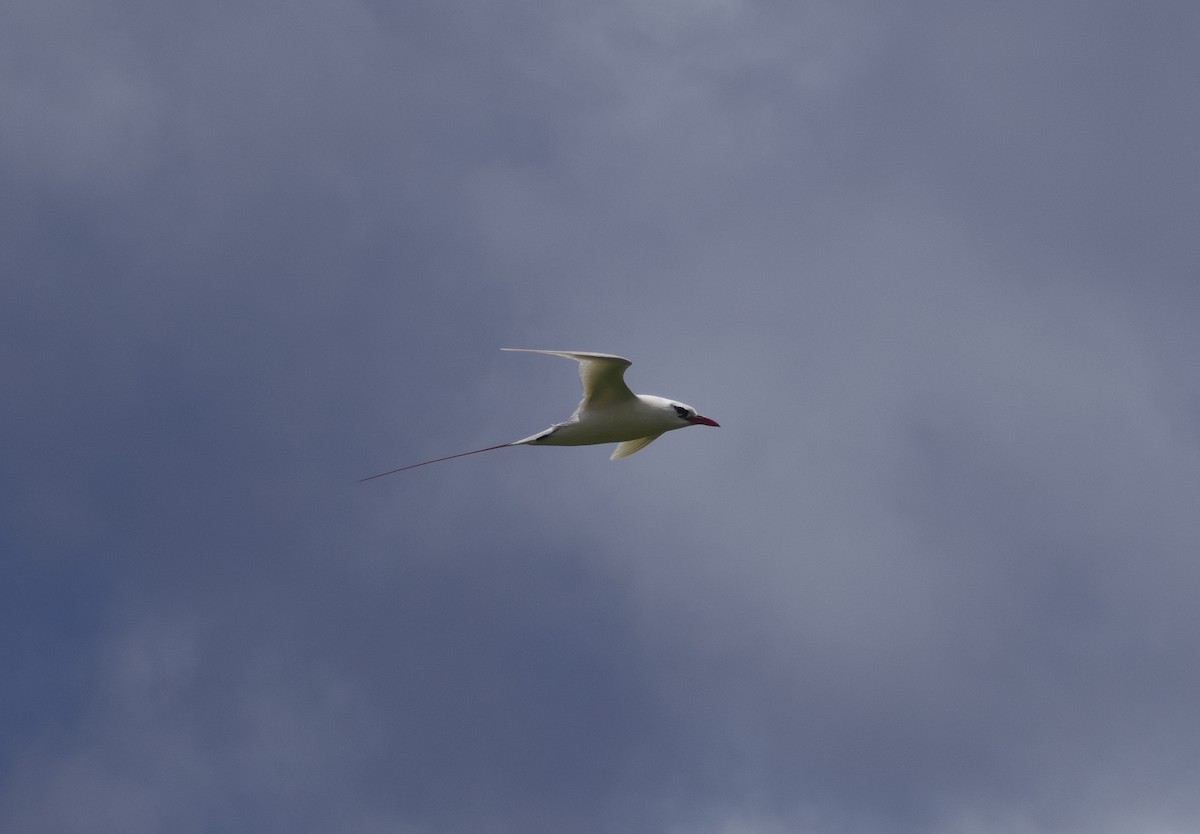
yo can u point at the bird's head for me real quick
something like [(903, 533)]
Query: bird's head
[(688, 415)]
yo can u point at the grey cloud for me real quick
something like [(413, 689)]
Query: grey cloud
[(932, 272)]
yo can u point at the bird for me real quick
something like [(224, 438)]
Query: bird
[(608, 413)]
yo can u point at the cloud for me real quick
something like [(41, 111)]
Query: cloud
[(935, 572)]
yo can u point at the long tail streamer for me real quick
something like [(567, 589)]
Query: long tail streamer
[(435, 460)]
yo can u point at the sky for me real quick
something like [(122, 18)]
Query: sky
[(933, 266)]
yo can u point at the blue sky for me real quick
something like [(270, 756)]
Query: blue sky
[(934, 268)]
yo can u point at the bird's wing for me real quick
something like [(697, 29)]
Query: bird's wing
[(627, 448), (602, 375)]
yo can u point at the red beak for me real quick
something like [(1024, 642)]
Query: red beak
[(703, 421)]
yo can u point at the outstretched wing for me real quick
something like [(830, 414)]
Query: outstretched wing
[(627, 448), (602, 375)]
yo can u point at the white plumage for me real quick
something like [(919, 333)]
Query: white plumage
[(608, 413)]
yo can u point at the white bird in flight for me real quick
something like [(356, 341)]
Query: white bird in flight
[(608, 413)]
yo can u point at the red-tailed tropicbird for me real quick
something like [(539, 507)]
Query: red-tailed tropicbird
[(608, 413)]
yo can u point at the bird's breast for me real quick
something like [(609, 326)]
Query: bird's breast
[(610, 424)]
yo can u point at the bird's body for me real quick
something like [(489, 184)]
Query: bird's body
[(644, 416), (608, 413)]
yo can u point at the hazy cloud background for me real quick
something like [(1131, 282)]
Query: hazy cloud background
[(935, 268)]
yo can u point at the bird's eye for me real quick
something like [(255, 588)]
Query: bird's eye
[(681, 411)]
